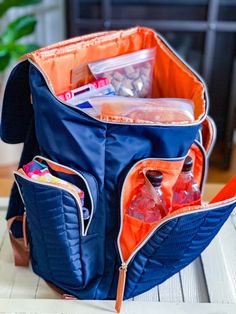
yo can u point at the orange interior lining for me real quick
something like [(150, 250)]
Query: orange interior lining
[(56, 167), (171, 77), (134, 230)]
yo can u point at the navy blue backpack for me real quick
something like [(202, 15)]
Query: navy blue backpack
[(111, 255)]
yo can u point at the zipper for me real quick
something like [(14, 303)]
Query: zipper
[(204, 166), (214, 133), (110, 122), (85, 182), (78, 202)]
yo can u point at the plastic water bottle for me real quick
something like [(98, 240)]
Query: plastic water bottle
[(144, 206), (186, 190)]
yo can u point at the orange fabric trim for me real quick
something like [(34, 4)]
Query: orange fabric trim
[(171, 77), (227, 192), (59, 168), (55, 167)]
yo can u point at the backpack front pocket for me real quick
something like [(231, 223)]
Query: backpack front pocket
[(133, 231), (152, 252), (59, 234)]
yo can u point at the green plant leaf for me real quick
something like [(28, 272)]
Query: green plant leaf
[(7, 4), (19, 50), (5, 58), (20, 27)]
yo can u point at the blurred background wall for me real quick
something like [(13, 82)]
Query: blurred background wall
[(201, 31), (50, 28)]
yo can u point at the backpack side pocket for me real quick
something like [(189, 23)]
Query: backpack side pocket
[(60, 247)]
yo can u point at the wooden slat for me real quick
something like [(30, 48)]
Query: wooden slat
[(4, 204), (7, 271), (96, 307), (233, 217), (227, 241), (193, 283), (151, 295), (25, 283), (43, 291), (3, 227), (6, 274), (171, 290), (216, 274)]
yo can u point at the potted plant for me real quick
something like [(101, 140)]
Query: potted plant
[(11, 48)]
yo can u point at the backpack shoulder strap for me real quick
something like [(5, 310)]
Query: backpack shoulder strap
[(17, 126), (17, 109)]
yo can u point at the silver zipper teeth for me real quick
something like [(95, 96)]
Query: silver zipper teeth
[(109, 122), (55, 187), (87, 186)]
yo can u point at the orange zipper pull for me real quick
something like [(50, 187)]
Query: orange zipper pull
[(121, 286)]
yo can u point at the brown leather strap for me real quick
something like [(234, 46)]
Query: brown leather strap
[(19, 245), (61, 292), (120, 287)]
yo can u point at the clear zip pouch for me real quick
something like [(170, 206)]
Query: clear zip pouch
[(130, 74), (151, 110)]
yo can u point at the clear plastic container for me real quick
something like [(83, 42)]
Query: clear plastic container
[(144, 206), (186, 190), (130, 74), (153, 110)]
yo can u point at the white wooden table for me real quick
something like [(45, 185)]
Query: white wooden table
[(209, 282)]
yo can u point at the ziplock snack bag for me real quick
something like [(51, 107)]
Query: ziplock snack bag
[(130, 74), (149, 110)]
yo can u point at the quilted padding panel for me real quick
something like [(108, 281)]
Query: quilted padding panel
[(54, 226), (59, 252), (172, 247)]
